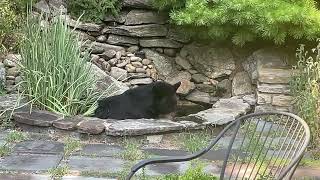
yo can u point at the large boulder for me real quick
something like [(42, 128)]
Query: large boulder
[(143, 4), (52, 7), (241, 84), (186, 85), (122, 40), (106, 82), (148, 30), (136, 17), (223, 112), (266, 58), (210, 60), (165, 43), (164, 65)]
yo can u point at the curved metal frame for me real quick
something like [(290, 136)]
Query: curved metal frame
[(291, 167)]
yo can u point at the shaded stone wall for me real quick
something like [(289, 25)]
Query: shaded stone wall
[(139, 47)]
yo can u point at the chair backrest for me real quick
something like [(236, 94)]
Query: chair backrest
[(265, 146)]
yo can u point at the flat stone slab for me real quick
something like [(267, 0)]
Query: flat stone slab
[(67, 123), (99, 150), (105, 164), (133, 127), (29, 162), (39, 147), (222, 112), (36, 118)]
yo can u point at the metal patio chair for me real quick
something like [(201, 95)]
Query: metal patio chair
[(265, 145)]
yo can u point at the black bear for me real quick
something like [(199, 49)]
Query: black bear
[(148, 101)]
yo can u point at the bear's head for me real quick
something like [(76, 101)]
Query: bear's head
[(165, 97)]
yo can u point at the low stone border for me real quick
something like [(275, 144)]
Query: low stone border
[(223, 112)]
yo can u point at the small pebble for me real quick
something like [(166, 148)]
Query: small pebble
[(146, 61), (137, 64)]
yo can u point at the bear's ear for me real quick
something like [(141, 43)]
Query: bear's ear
[(176, 86)]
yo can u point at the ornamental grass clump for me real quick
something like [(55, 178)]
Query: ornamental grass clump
[(55, 75)]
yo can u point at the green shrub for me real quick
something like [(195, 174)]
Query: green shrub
[(305, 89), (246, 21), (192, 173), (93, 10), (54, 74), (8, 22)]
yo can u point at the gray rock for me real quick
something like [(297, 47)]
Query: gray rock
[(140, 70), (224, 88), (164, 43), (275, 76), (108, 54), (82, 36), (36, 118), (122, 40), (67, 123), (250, 99), (54, 7), (183, 63), (102, 38), (148, 30), (2, 75), (200, 97), (208, 88), (121, 18), (212, 61), (105, 47), (141, 81), (265, 58), (170, 52), (130, 68), (137, 64), (241, 84), (164, 65), (179, 34), (118, 73), (30, 162), (223, 112), (146, 62), (264, 98), (106, 82), (106, 66), (11, 60), (133, 127), (143, 4), (184, 77), (133, 49), (91, 126), (199, 78), (136, 17), (274, 88)]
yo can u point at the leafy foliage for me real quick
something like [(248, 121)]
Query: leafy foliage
[(305, 88), (93, 10), (54, 73), (246, 20), (192, 173)]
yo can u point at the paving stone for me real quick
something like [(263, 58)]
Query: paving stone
[(69, 123), (29, 162), (108, 164), (99, 150), (45, 177), (36, 118), (166, 168), (39, 147), (274, 88)]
